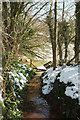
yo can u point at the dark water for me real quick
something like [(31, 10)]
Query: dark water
[(36, 106)]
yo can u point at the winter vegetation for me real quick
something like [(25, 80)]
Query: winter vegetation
[(62, 84), (67, 75), (18, 76), (40, 36)]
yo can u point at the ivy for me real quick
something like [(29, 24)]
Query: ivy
[(16, 80)]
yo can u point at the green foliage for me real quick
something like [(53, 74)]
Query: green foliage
[(16, 79)]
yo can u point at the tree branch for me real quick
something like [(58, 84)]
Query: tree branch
[(72, 58)]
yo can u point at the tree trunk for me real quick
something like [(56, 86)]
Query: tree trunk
[(68, 63), (59, 40), (63, 11), (77, 30), (65, 37), (52, 32), (66, 47), (55, 39), (60, 50), (5, 23)]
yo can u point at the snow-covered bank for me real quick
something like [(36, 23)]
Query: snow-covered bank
[(48, 79), (67, 75), (19, 75), (41, 67), (16, 78)]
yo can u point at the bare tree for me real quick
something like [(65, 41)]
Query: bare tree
[(53, 32), (55, 38), (59, 41), (77, 30), (63, 10)]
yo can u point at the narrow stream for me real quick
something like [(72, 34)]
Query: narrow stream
[(34, 105)]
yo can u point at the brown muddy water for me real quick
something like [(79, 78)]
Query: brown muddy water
[(35, 106)]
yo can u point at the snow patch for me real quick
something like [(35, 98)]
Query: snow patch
[(67, 74), (1, 99), (41, 67), (49, 78)]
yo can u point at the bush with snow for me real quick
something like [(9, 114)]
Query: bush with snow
[(16, 79), (68, 74), (62, 85)]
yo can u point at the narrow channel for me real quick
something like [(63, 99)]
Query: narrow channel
[(34, 105)]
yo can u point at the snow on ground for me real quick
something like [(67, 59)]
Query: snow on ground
[(41, 67), (68, 74), (48, 79), (46, 52)]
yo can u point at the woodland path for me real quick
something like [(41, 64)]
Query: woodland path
[(34, 105)]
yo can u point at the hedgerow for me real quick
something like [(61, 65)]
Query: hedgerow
[(16, 78)]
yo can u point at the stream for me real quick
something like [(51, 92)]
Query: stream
[(35, 106)]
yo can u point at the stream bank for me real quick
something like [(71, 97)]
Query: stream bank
[(36, 105)]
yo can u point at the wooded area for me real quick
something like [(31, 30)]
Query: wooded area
[(43, 31)]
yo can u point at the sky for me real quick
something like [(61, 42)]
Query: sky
[(69, 8)]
